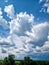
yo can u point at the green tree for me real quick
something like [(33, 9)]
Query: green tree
[(27, 61), (9, 60)]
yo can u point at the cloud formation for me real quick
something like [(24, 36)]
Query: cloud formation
[(25, 37)]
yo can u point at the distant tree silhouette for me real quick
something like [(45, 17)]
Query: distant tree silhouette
[(27, 61), (9, 60)]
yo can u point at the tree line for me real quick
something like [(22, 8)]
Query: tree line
[(10, 60)]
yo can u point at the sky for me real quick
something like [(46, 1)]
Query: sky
[(24, 29)]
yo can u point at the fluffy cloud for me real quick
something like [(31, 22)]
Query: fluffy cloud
[(45, 47), (27, 40), (25, 37), (17, 39), (39, 32), (23, 22), (10, 11)]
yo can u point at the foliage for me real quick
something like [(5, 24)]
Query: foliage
[(9, 60), (27, 61)]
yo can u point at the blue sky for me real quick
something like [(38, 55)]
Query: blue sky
[(24, 28)]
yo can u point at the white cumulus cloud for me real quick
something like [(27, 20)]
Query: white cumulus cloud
[(39, 31), (10, 11), (25, 37)]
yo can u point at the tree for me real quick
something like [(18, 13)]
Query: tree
[(9, 60), (27, 61)]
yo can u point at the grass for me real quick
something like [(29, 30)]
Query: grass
[(1, 62), (17, 61)]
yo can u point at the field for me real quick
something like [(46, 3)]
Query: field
[(1, 62), (17, 62)]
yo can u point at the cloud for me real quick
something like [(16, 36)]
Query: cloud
[(10, 11), (4, 41), (39, 32), (45, 7), (22, 23), (4, 25), (40, 1), (16, 41), (25, 37), (44, 48)]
